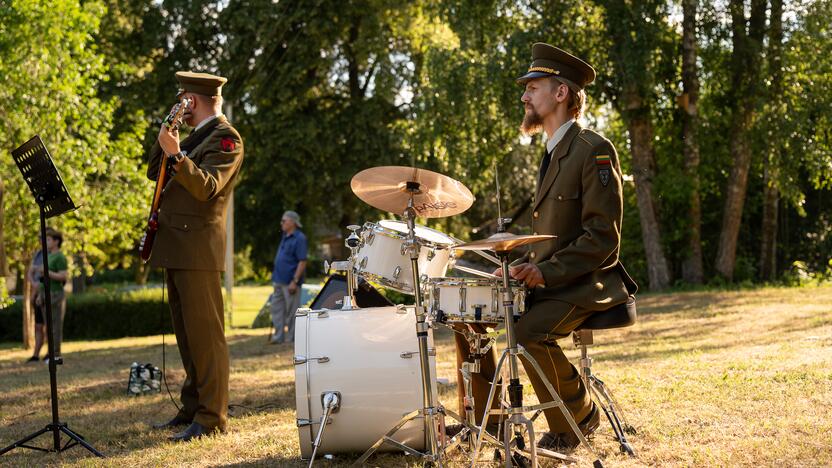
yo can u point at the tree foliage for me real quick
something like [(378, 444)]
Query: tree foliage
[(51, 68), (322, 89)]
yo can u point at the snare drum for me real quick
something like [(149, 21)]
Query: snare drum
[(471, 300), (381, 256), (371, 357)]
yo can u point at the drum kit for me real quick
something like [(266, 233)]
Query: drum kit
[(364, 381)]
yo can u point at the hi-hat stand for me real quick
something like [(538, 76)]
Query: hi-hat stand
[(50, 193)]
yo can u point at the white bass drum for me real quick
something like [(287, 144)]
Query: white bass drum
[(371, 357)]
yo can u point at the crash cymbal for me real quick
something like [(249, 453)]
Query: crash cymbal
[(389, 188), (503, 242)]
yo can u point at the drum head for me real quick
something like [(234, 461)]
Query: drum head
[(422, 232)]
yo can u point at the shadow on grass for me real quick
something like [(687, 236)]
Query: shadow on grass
[(340, 460)]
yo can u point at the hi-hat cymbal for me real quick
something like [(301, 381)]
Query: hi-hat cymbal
[(503, 242), (389, 188)]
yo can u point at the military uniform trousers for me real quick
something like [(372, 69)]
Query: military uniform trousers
[(196, 306), (537, 330)]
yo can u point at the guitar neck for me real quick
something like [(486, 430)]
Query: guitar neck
[(161, 182)]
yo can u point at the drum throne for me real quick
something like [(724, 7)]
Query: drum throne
[(619, 316)]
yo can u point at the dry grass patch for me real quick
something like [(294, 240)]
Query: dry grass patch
[(708, 378)]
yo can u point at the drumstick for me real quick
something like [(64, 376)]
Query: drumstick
[(481, 253), (475, 272)]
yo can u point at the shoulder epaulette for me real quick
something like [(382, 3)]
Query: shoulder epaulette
[(591, 138)]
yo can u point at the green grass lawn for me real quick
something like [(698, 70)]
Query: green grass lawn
[(708, 379), (247, 302)]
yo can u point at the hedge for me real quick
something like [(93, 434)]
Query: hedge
[(106, 315)]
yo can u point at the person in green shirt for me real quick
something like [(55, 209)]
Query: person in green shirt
[(57, 276)]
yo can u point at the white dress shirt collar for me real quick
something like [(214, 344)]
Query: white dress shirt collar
[(558, 136), (205, 121)]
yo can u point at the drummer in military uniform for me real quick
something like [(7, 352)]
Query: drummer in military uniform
[(190, 245), (579, 200)]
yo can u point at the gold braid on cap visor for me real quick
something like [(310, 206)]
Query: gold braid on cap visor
[(544, 69)]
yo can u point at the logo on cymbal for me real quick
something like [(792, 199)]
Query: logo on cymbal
[(440, 205)]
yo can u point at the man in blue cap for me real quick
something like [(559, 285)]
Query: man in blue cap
[(287, 277)]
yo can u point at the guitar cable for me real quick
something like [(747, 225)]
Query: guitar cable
[(161, 323)]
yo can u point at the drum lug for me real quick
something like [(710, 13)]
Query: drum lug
[(298, 359), (362, 264), (302, 312), (396, 272), (371, 235), (401, 309), (410, 354), (495, 300), (431, 254)]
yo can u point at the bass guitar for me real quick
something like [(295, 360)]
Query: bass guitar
[(172, 121)]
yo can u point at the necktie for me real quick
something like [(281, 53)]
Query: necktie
[(544, 166)]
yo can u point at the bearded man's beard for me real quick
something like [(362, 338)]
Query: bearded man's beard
[(532, 123)]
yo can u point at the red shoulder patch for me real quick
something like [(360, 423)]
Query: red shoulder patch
[(228, 144)]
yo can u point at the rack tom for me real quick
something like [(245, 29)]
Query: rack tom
[(381, 256)]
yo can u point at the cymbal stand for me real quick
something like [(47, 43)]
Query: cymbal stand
[(516, 418), (433, 415), (352, 242)]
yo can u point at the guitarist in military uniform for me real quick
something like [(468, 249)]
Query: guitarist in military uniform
[(190, 245), (579, 200)]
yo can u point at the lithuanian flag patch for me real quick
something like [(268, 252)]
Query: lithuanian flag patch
[(602, 160)]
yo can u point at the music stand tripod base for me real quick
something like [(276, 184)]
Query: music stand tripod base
[(52, 197)]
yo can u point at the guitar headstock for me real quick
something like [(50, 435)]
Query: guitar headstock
[(174, 119)]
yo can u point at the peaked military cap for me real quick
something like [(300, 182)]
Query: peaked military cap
[(200, 83), (548, 60)]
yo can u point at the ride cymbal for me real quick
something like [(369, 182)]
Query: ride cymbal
[(389, 188), (503, 242)]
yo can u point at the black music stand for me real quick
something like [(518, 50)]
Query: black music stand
[(49, 191)]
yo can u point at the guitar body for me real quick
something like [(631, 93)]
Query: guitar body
[(146, 244), (173, 120)]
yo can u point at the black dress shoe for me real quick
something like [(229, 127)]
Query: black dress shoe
[(175, 422), (568, 441), (194, 431)]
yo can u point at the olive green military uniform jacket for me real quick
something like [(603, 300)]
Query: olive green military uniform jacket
[(580, 201), (192, 214)]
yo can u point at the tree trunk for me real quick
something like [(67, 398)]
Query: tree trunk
[(142, 272), (641, 133), (768, 247), (692, 265), (3, 267), (771, 194), (734, 199), (745, 63), (28, 312)]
